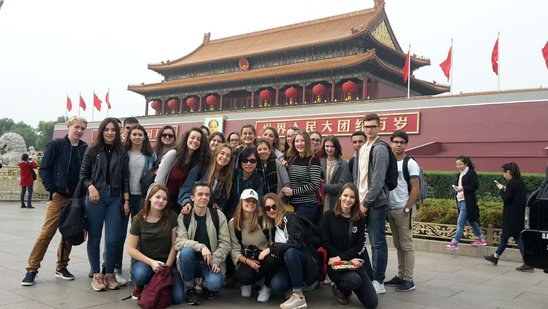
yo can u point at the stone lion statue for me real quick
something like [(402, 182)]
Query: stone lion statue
[(12, 147)]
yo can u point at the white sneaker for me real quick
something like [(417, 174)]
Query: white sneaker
[(121, 280), (379, 287), (246, 290), (294, 302), (327, 281), (264, 294)]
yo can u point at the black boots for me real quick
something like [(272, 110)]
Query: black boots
[(23, 205)]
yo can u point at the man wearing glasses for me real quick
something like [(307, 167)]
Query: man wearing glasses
[(401, 201), (370, 168)]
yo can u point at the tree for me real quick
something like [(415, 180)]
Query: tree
[(5, 125), (45, 132)]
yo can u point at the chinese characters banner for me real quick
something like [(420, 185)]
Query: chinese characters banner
[(345, 125)]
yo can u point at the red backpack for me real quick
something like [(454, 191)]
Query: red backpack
[(157, 292)]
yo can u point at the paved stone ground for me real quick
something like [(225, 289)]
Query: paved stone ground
[(443, 280)]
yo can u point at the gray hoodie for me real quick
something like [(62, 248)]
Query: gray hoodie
[(377, 193)]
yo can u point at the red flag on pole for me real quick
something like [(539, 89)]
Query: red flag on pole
[(69, 104), (107, 100), (82, 103), (406, 66), (545, 53), (96, 102), (446, 65), (495, 57)]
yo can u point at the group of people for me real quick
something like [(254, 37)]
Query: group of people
[(242, 208)]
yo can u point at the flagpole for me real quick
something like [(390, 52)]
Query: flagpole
[(66, 109), (92, 108), (80, 95), (452, 68), (108, 91), (409, 74), (498, 60)]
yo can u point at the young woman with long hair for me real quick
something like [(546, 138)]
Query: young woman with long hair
[(304, 173), (334, 169), (295, 264), (150, 244), (176, 164), (218, 174), (247, 232), (165, 141), (465, 187), (274, 173), (105, 177), (343, 237), (141, 159), (216, 139), (272, 136), (248, 137)]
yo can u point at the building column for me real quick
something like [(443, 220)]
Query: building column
[(277, 98), (200, 104), (221, 101), (364, 89), (252, 97), (164, 103), (333, 90), (304, 93)]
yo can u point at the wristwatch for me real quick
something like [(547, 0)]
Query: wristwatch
[(407, 209)]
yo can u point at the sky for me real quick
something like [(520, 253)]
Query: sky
[(51, 49)]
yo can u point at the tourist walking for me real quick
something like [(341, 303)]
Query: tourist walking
[(465, 187), (514, 197), (27, 174), (59, 171)]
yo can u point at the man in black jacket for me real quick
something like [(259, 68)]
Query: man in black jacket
[(59, 171)]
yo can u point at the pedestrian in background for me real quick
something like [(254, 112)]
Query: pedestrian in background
[(26, 169)]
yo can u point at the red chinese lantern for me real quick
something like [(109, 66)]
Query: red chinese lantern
[(349, 88), (319, 90), (265, 95), (211, 100), (291, 93), (156, 105), (191, 102), (173, 105)]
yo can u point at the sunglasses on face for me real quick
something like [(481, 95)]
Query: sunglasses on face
[(168, 135), (270, 207), (252, 161)]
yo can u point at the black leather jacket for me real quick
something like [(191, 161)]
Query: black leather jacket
[(93, 171)]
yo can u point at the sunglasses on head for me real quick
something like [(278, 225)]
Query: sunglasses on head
[(252, 161), (168, 135), (270, 207)]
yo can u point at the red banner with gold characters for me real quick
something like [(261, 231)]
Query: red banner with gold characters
[(345, 125)]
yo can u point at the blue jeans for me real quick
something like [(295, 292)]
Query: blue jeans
[(106, 211), (306, 210), (290, 275), (504, 243), (462, 221), (191, 268), (376, 218), (29, 196), (141, 273), (135, 205)]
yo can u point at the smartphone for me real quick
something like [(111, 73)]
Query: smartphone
[(454, 187), (495, 181)]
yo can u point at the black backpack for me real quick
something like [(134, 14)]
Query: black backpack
[(391, 179)]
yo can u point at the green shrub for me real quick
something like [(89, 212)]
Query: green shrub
[(444, 211), (439, 184)]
